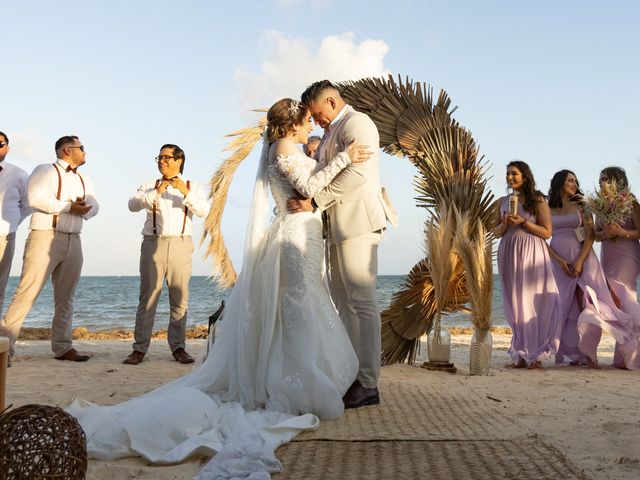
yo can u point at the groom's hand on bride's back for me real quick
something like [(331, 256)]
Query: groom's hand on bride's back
[(358, 153), (299, 205)]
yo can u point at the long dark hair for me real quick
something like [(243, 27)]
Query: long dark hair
[(528, 189), (555, 189)]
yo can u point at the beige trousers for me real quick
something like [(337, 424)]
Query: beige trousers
[(7, 249), (163, 258), (352, 281), (47, 254)]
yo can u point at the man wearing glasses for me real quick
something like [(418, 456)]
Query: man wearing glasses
[(61, 199), (167, 249), (14, 207)]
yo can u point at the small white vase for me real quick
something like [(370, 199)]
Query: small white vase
[(439, 345), (480, 355)]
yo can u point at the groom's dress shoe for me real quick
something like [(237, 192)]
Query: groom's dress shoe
[(73, 356), (134, 359), (359, 396), (182, 356)]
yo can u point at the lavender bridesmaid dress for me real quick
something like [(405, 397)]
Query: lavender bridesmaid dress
[(584, 323), (531, 298), (621, 265)]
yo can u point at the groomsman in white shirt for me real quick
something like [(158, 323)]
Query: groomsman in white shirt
[(14, 208), (167, 249), (61, 199)]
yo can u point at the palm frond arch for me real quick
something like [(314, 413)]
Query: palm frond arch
[(414, 125)]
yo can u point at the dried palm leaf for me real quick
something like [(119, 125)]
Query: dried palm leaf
[(442, 256), (413, 309), (242, 144), (474, 249)]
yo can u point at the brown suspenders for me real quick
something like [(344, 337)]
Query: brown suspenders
[(54, 222), (153, 211), (155, 229), (184, 220)]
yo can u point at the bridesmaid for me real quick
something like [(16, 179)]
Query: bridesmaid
[(531, 299), (586, 304), (620, 256)]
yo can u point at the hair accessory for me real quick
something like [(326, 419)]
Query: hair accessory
[(294, 108)]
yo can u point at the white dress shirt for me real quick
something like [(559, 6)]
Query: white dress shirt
[(43, 188), (14, 204), (170, 208)]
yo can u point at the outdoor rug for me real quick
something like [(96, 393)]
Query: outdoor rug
[(423, 432)]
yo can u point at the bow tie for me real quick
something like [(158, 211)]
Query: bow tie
[(71, 169), (168, 179)]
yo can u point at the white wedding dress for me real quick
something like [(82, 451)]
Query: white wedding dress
[(281, 360)]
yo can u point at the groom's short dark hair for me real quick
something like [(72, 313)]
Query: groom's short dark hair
[(314, 90)]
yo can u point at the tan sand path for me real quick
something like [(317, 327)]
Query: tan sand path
[(579, 419)]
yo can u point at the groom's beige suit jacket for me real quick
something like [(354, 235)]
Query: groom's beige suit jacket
[(354, 200)]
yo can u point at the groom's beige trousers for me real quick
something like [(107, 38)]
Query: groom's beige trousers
[(47, 253), (353, 271)]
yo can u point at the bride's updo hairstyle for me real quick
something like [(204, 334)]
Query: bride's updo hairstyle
[(282, 118)]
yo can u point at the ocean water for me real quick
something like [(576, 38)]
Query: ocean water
[(106, 303)]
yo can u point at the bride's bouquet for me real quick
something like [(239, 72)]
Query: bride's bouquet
[(611, 204)]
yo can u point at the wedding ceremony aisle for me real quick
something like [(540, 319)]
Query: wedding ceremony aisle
[(559, 422)]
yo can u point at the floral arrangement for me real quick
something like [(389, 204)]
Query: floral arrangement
[(611, 204)]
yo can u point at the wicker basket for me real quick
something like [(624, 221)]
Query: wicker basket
[(39, 442)]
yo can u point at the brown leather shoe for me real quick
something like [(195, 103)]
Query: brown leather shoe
[(134, 359), (359, 396), (73, 356), (183, 357)]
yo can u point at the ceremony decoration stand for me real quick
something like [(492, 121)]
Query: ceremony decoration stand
[(476, 256)]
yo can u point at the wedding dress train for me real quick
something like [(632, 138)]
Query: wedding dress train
[(281, 360)]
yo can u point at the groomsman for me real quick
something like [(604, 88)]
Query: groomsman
[(61, 199), (14, 208), (167, 248)]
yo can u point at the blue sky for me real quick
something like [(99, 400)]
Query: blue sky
[(555, 84)]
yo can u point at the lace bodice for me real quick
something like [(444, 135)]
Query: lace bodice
[(297, 173)]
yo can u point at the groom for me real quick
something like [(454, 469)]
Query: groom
[(356, 218)]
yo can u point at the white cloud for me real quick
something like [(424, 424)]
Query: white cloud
[(291, 64), (27, 151)]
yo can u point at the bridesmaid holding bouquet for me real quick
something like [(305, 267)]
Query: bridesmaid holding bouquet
[(586, 304), (618, 228)]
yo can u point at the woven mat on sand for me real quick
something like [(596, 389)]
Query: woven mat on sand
[(410, 412), (408, 460), (422, 432)]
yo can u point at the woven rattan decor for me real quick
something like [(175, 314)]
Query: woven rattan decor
[(39, 442)]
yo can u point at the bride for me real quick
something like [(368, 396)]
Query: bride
[(282, 358)]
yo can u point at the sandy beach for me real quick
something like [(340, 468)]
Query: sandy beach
[(588, 416)]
